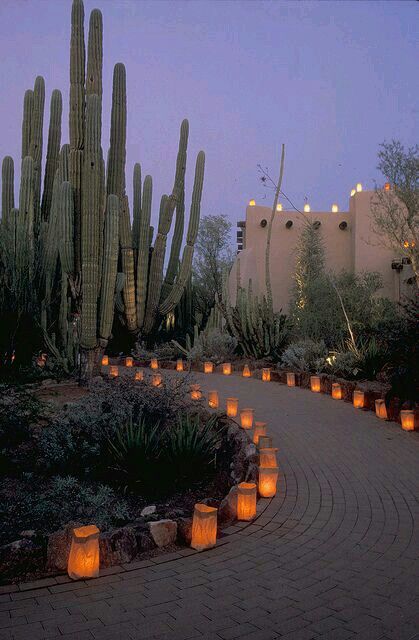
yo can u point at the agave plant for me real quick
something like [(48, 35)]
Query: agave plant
[(191, 446), (135, 450)]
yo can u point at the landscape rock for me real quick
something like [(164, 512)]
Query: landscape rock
[(148, 511), (58, 547), (117, 546), (228, 506), (143, 537), (184, 531), (163, 532), (20, 556)]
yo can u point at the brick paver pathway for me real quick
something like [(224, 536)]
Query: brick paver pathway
[(333, 556)]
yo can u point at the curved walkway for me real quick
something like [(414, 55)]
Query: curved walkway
[(335, 555)]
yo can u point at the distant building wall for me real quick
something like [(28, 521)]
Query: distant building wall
[(352, 247)]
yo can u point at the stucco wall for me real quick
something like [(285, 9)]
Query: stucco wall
[(352, 248)]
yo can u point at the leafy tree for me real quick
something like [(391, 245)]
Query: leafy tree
[(213, 255), (334, 307), (395, 212)]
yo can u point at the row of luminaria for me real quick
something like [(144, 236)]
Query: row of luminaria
[(407, 416), (83, 561)]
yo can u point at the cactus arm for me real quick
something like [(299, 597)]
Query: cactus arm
[(157, 262), (109, 269), (143, 250), (117, 146), (173, 266), (35, 148), (95, 55), (91, 206), (27, 122), (66, 228), (127, 259), (136, 206), (7, 188), (53, 151), (77, 118), (186, 265)]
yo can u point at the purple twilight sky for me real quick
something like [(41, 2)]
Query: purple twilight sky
[(330, 79)]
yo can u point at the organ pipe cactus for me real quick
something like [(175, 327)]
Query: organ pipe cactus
[(53, 151), (68, 244)]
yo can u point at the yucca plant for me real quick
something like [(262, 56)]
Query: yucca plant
[(135, 450), (191, 446)]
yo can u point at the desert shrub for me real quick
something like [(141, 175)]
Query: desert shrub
[(164, 351), (134, 449), (19, 411), (77, 440), (402, 339), (305, 355), (214, 345), (365, 359), (343, 364), (191, 446), (57, 502)]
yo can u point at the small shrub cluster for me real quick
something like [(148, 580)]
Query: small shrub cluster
[(305, 355), (48, 505), (214, 345), (76, 442), (163, 351)]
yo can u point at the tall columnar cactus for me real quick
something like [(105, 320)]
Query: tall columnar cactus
[(7, 187), (95, 55), (186, 265), (27, 123), (127, 259), (136, 209), (25, 232), (91, 205), (109, 270), (117, 146), (143, 250), (173, 266), (62, 251), (76, 118), (35, 148), (53, 150)]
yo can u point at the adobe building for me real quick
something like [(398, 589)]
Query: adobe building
[(349, 242)]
